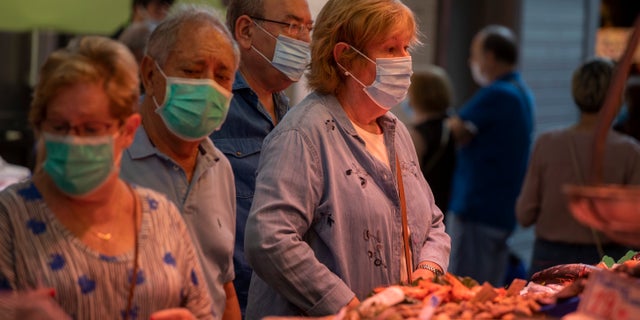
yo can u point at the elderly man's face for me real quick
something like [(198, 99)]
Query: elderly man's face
[(201, 52)]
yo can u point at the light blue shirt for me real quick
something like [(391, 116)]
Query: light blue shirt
[(325, 224), (207, 203)]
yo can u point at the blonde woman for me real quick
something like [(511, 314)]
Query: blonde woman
[(102, 248), (326, 225)]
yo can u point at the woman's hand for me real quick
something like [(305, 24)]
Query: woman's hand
[(422, 273), (33, 304), (173, 314), (426, 270)]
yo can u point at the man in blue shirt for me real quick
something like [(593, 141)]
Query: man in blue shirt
[(494, 129), (273, 36)]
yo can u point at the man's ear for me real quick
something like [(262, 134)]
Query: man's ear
[(244, 31), (147, 69), (129, 128)]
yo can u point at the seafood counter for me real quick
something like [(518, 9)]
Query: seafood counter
[(608, 290)]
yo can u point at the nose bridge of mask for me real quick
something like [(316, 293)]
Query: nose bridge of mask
[(294, 47), (191, 82), (394, 66), (76, 140)]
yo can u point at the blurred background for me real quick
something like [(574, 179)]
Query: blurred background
[(555, 37)]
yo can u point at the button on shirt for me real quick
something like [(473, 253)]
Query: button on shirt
[(325, 224), (240, 139), (206, 203)]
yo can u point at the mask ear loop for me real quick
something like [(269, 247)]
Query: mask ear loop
[(155, 101), (347, 72), (267, 32)]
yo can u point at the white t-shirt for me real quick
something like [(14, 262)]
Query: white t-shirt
[(374, 143)]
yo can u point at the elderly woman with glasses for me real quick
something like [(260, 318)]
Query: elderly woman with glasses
[(99, 247), (341, 206)]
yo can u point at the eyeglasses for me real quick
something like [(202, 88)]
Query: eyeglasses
[(293, 28), (87, 129)]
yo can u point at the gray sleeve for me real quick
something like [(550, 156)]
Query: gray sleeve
[(437, 248), (288, 189)]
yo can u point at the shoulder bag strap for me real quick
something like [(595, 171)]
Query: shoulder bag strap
[(405, 224)]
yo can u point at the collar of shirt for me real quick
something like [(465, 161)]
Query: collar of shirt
[(509, 76), (241, 88), (142, 147), (387, 121)]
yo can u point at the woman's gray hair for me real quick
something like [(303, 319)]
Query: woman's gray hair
[(165, 35)]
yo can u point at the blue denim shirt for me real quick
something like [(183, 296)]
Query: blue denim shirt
[(326, 224), (206, 203), (490, 169), (240, 139)]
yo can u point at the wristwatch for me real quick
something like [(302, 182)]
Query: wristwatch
[(435, 270)]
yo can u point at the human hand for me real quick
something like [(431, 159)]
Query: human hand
[(35, 304), (173, 314), (353, 303), (462, 131), (422, 274)]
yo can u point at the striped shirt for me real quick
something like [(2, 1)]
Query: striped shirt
[(37, 250)]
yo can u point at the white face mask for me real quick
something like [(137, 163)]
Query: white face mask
[(393, 78), (477, 75), (290, 56)]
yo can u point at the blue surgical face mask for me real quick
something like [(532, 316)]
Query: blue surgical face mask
[(78, 165), (393, 78), (193, 108), (290, 56)]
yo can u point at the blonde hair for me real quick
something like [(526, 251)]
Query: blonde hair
[(355, 22), (430, 90), (90, 59)]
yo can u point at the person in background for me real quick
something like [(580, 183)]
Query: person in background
[(11, 173), (430, 96), (630, 125), (149, 12), (96, 245), (494, 132), (188, 71), (326, 225), (562, 157), (135, 37), (273, 37)]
